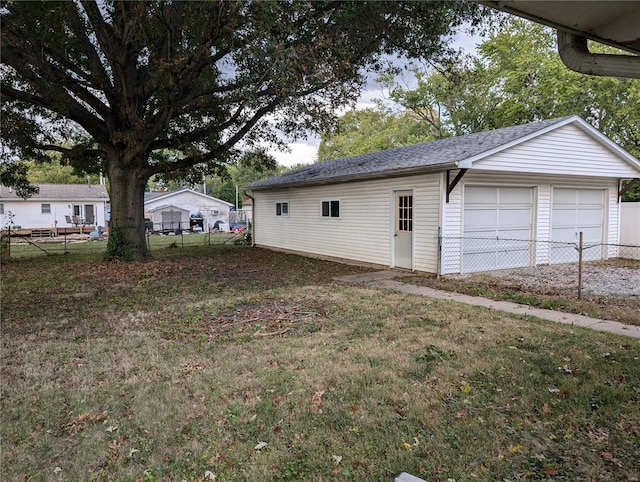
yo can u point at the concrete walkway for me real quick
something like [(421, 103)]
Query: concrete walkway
[(384, 279)]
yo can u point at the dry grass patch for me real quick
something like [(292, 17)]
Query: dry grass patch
[(288, 376), (625, 309)]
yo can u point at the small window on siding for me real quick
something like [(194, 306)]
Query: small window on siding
[(1, 208), (330, 209), (282, 209), (46, 208)]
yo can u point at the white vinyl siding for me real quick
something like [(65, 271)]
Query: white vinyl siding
[(363, 232), (565, 151), (29, 213)]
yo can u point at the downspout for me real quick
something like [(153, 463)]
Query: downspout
[(253, 219), (575, 54)]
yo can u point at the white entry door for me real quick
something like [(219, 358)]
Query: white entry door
[(497, 228), (403, 230), (575, 211)]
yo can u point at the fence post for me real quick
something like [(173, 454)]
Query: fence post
[(580, 267), (439, 261), (5, 244)]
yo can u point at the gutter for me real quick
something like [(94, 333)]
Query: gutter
[(253, 218), (575, 54), (386, 174)]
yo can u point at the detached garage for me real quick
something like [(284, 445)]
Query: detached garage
[(506, 198)]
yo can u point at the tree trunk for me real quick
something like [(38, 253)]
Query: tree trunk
[(126, 227)]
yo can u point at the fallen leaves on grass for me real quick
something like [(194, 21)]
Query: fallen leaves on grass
[(272, 319), (316, 401), (514, 449), (83, 418), (599, 435), (465, 388), (188, 368), (408, 446)]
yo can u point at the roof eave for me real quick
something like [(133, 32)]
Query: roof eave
[(413, 171)]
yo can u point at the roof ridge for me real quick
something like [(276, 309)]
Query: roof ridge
[(405, 159)]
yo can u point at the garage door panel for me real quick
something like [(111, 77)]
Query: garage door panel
[(481, 217), (515, 234), (564, 196), (575, 211), (592, 234), (501, 215), (479, 233), (564, 217), (510, 217), (564, 235), (589, 196), (589, 216), (514, 195), (480, 195)]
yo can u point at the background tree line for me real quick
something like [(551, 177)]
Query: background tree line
[(516, 77)]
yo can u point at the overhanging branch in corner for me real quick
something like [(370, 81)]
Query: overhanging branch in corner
[(627, 186)]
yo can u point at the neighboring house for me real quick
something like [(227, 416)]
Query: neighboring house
[(184, 210), (247, 207), (545, 181), (56, 206)]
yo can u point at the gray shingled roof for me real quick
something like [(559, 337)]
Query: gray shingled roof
[(401, 161), (61, 192)]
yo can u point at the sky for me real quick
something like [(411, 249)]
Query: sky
[(305, 151)]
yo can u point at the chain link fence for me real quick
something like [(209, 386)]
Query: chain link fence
[(581, 267), (21, 243)]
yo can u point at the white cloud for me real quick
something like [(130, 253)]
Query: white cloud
[(301, 152)]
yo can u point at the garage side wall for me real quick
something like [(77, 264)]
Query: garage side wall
[(542, 211), (362, 232)]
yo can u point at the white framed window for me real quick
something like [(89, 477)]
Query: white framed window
[(45, 208), (282, 209), (330, 209)]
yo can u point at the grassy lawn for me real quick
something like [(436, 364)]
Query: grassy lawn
[(237, 364), (21, 248)]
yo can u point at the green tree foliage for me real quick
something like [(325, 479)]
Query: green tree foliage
[(140, 88), (370, 130), (518, 77), (55, 172)]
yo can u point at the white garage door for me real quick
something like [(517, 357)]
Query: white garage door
[(576, 210), (497, 228)]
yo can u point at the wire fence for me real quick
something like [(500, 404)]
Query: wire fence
[(582, 266), (20, 244)]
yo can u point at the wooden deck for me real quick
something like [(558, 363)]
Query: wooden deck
[(51, 232)]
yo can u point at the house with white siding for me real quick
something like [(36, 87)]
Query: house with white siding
[(468, 203), (56, 206), (185, 209)]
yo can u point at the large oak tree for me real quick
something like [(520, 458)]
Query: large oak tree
[(140, 88)]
